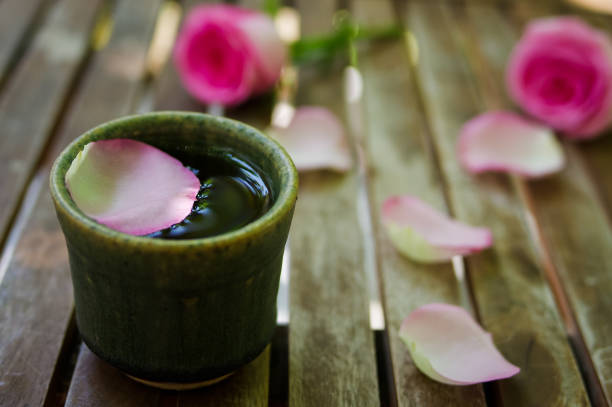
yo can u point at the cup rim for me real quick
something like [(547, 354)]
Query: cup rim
[(282, 205)]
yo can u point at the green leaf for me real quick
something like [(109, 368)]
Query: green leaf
[(271, 7)]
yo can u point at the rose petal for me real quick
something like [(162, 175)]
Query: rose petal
[(447, 345), (131, 186), (504, 141), (268, 51), (423, 234), (315, 139)]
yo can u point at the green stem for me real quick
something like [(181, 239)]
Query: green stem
[(325, 47), (271, 7)]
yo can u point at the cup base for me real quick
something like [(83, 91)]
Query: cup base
[(180, 386)]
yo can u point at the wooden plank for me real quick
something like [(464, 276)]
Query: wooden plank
[(571, 219), (101, 385), (168, 93), (35, 294), (249, 386), (35, 95), (401, 163), (110, 89), (596, 154), (514, 302), (331, 346), (97, 384), (17, 18)]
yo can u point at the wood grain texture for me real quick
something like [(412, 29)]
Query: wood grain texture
[(97, 384), (36, 294), (331, 346), (514, 301), (101, 385), (16, 19), (402, 164), (247, 387), (34, 96), (168, 92), (567, 210)]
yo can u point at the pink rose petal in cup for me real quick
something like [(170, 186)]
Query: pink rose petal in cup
[(504, 141), (423, 234), (315, 139), (130, 186), (447, 345)]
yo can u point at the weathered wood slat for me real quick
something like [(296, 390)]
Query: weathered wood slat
[(35, 95), (248, 386), (35, 294), (37, 290), (111, 86), (571, 219), (514, 302), (16, 19), (597, 153), (95, 383), (331, 346), (402, 164)]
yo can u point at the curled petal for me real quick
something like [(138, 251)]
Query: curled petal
[(447, 345), (315, 139), (504, 141), (131, 186), (423, 234)]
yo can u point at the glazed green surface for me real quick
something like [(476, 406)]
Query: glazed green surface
[(179, 310)]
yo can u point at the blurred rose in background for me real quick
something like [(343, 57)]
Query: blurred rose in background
[(224, 54)]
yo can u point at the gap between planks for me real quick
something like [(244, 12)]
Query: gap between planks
[(35, 181)]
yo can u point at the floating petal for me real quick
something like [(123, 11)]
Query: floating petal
[(131, 186)]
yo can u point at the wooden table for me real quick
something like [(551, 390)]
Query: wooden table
[(544, 290)]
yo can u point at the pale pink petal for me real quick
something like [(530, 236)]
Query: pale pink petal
[(447, 345), (315, 139), (504, 141), (131, 186), (422, 233), (268, 51)]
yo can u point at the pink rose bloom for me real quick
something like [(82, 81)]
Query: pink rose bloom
[(561, 73), (224, 54)]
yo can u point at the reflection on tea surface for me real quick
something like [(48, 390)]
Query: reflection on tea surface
[(232, 194)]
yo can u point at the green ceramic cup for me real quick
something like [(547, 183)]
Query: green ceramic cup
[(179, 313)]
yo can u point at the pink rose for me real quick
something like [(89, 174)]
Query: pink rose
[(224, 54), (561, 73)]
